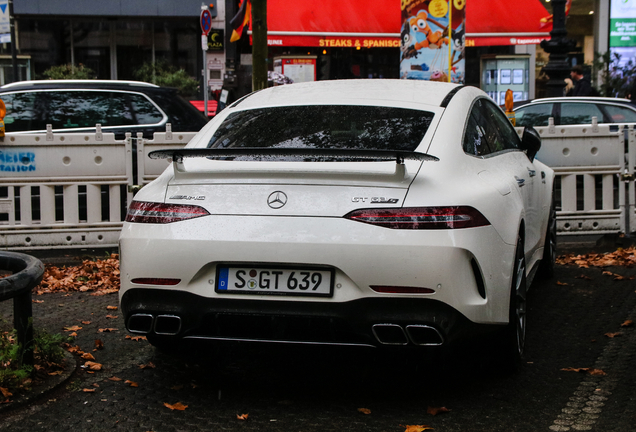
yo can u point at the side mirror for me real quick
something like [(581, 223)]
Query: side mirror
[(530, 142)]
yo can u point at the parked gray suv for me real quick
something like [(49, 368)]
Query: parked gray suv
[(78, 105)]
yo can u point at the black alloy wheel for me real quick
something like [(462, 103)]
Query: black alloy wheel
[(510, 342)]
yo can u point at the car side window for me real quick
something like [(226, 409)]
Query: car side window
[(506, 136), (474, 140), (22, 112), (80, 109), (620, 114), (579, 113), (145, 111), (534, 115)]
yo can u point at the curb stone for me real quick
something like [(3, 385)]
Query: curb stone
[(37, 391)]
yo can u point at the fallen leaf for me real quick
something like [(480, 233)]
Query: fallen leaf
[(73, 328), (5, 392), (131, 383), (136, 338), (562, 283), (99, 344), (73, 334), (434, 410), (56, 373), (114, 378), (111, 307), (597, 372), (150, 365), (92, 366), (87, 390), (112, 316), (176, 387), (88, 356), (178, 406), (86, 322), (242, 416), (107, 330), (364, 410), (416, 428), (628, 323), (584, 277), (571, 369), (613, 335), (73, 350), (37, 301)]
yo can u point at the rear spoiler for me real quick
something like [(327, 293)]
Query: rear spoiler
[(312, 155)]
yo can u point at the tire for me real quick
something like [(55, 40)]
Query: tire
[(546, 267), (512, 339)]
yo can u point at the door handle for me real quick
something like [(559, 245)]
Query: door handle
[(532, 172), (520, 182)]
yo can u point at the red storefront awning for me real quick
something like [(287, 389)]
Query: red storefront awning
[(337, 23), (505, 22), (331, 23)]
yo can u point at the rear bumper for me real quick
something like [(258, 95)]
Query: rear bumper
[(369, 321)]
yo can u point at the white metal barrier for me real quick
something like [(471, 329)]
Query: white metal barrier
[(72, 190), (594, 165)]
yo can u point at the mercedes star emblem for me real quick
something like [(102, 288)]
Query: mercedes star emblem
[(277, 199)]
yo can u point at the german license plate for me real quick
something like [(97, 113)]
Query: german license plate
[(282, 281)]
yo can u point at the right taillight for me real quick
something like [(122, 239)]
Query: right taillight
[(417, 218), (160, 213)]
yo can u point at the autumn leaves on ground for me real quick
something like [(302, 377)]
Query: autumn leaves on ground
[(101, 276)]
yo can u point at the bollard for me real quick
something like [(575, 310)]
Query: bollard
[(27, 273)]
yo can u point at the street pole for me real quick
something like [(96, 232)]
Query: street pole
[(14, 56), (259, 44), (558, 47)]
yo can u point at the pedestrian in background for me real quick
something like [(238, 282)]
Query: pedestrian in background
[(569, 87), (582, 85)]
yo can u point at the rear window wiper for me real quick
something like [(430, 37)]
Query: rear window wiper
[(300, 154)]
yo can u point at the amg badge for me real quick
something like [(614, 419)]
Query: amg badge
[(188, 197), (375, 200)]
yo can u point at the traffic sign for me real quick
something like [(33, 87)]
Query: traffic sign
[(206, 21)]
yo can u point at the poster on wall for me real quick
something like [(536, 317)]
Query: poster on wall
[(432, 40), (623, 30)]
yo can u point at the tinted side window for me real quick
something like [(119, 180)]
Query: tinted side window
[(488, 131), (145, 111), (579, 113), (534, 115), (620, 114), (507, 138), (23, 113), (474, 140), (79, 109)]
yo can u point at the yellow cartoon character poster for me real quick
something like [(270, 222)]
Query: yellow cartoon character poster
[(432, 40)]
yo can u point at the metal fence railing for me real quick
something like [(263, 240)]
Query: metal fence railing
[(72, 190)]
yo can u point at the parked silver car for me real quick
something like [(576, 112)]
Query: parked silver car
[(575, 110)]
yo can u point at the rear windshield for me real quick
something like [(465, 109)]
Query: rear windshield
[(324, 127)]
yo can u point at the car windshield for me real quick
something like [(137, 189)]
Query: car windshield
[(324, 127)]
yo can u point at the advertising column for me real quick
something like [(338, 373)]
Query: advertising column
[(432, 40)]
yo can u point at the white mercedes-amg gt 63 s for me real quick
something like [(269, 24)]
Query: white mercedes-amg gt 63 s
[(354, 212)]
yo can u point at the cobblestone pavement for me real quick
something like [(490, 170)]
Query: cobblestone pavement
[(301, 389)]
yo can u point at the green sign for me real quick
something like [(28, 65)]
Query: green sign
[(216, 40), (623, 32)]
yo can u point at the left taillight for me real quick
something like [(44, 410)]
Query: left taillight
[(160, 213), (419, 218)]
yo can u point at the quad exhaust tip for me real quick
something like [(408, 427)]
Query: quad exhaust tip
[(417, 334), (161, 324)]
